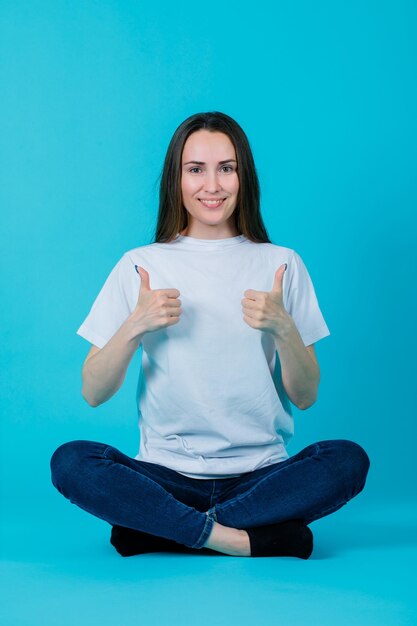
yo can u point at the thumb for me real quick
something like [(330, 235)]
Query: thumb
[(279, 274), (145, 283)]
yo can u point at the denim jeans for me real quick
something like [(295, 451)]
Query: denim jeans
[(157, 500)]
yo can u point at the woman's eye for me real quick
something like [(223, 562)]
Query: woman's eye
[(228, 168)]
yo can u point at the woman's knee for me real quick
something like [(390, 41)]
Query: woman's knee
[(353, 463), (67, 461)]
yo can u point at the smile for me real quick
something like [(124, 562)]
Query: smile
[(211, 204)]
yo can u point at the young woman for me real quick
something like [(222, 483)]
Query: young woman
[(227, 322)]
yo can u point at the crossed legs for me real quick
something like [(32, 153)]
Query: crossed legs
[(157, 502)]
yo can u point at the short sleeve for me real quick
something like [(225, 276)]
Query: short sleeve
[(113, 305), (300, 301)]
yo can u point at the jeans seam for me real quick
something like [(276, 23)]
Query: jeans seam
[(212, 493), (106, 450), (208, 525), (212, 513)]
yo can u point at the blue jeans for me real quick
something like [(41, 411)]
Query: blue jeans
[(157, 500)]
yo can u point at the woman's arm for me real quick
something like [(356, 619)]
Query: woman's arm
[(104, 370), (299, 367)]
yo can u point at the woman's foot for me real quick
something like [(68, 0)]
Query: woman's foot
[(290, 538), (227, 540), (129, 542)]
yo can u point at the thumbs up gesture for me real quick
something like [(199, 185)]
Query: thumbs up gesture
[(264, 310), (155, 308)]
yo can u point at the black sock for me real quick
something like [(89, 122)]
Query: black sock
[(129, 542), (291, 538)]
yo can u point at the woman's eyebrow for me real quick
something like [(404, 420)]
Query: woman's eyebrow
[(202, 162)]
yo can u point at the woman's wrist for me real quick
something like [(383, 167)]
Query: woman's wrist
[(284, 327), (134, 329)]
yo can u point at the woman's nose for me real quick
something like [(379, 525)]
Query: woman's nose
[(212, 183)]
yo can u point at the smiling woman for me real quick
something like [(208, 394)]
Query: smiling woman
[(215, 417), (209, 157), (209, 188)]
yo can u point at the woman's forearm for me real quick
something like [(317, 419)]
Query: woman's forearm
[(104, 372), (300, 374)]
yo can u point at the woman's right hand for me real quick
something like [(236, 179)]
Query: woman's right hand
[(157, 308)]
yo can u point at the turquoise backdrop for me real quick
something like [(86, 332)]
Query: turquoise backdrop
[(91, 93)]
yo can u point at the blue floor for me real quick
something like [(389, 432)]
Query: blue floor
[(62, 571)]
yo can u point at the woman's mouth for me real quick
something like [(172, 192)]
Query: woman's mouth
[(212, 204)]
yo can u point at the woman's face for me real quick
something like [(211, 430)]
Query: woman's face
[(209, 172)]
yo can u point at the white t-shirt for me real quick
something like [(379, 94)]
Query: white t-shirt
[(211, 402)]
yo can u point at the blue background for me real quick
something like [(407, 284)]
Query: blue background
[(91, 93)]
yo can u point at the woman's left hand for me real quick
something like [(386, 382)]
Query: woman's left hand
[(264, 310)]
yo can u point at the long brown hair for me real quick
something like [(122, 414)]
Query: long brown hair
[(172, 215)]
